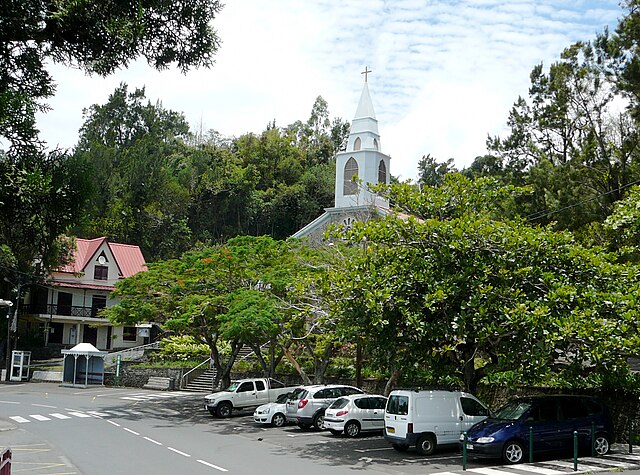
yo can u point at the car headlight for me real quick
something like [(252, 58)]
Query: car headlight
[(266, 411), (485, 440)]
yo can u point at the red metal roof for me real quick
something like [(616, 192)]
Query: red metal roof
[(129, 258)]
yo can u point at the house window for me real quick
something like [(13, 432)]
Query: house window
[(357, 144), (101, 273), (350, 186), (382, 172), (129, 334), (98, 302)]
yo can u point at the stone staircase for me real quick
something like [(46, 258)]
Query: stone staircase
[(204, 381)]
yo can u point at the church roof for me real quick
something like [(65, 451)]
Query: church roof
[(365, 106)]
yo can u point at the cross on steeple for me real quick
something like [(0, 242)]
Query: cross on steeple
[(366, 72)]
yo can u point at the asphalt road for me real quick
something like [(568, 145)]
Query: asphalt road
[(56, 430)]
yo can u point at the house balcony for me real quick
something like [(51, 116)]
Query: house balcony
[(63, 312)]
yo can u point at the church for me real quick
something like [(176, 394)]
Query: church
[(362, 164)]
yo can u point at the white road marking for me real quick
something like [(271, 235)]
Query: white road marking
[(38, 417), (152, 441), (57, 415), (79, 414), (610, 462), (113, 423), (178, 451), (212, 466), (20, 420), (131, 431), (44, 405), (372, 450), (445, 473), (116, 413), (97, 414), (489, 471), (9, 402), (635, 458), (538, 470), (581, 467)]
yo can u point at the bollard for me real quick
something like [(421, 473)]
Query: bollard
[(464, 451), (575, 450), (530, 444), (593, 439), (630, 436)]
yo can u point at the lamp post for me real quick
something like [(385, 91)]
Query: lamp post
[(7, 304)]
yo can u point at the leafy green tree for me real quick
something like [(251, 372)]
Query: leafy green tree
[(96, 36), (135, 151), (432, 173), (226, 296), (464, 296)]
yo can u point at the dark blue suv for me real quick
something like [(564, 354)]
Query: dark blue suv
[(552, 419)]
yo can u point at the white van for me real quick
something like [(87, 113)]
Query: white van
[(428, 419)]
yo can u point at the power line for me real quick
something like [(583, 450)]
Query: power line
[(545, 213)]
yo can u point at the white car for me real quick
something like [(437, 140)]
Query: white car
[(355, 414), (274, 413)]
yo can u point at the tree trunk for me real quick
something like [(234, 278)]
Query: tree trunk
[(392, 381), (296, 365)]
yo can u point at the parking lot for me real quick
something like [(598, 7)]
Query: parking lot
[(371, 451)]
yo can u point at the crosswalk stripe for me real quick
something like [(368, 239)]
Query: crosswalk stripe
[(538, 470), (489, 471), (564, 464), (116, 413), (97, 414), (20, 420), (79, 414), (610, 462), (57, 415), (635, 458), (38, 417)]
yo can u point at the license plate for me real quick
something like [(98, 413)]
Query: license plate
[(469, 446), (391, 430)]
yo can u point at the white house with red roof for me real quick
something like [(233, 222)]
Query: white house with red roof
[(66, 308)]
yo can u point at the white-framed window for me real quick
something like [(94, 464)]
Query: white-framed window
[(350, 185)]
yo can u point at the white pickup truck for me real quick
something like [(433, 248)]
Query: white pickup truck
[(244, 394)]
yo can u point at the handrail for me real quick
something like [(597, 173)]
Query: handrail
[(183, 383), (112, 356)]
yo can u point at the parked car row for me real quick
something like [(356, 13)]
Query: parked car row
[(427, 419)]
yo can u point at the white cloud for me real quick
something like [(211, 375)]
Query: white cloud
[(445, 72)]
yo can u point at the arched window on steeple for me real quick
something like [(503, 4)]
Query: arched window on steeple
[(382, 172), (375, 144), (350, 185), (357, 144)]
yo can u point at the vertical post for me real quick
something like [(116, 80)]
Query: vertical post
[(530, 444), (593, 439), (575, 450), (118, 360), (464, 450), (630, 435)]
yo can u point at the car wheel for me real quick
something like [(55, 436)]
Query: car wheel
[(352, 429), (400, 448), (601, 445), (224, 409), (513, 452), (278, 420), (318, 421), (426, 444), (335, 432)]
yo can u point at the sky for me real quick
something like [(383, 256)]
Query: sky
[(445, 73)]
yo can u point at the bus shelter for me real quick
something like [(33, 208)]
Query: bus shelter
[(83, 366)]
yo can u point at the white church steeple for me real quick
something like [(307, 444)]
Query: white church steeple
[(362, 158)]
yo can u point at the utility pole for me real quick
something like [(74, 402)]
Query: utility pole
[(8, 304)]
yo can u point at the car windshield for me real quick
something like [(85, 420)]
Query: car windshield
[(233, 386), (512, 410), (283, 398)]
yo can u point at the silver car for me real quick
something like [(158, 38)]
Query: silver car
[(308, 409), (274, 413), (355, 414)]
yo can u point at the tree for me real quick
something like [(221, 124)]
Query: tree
[(464, 296), (135, 151), (432, 173), (225, 296), (96, 36)]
